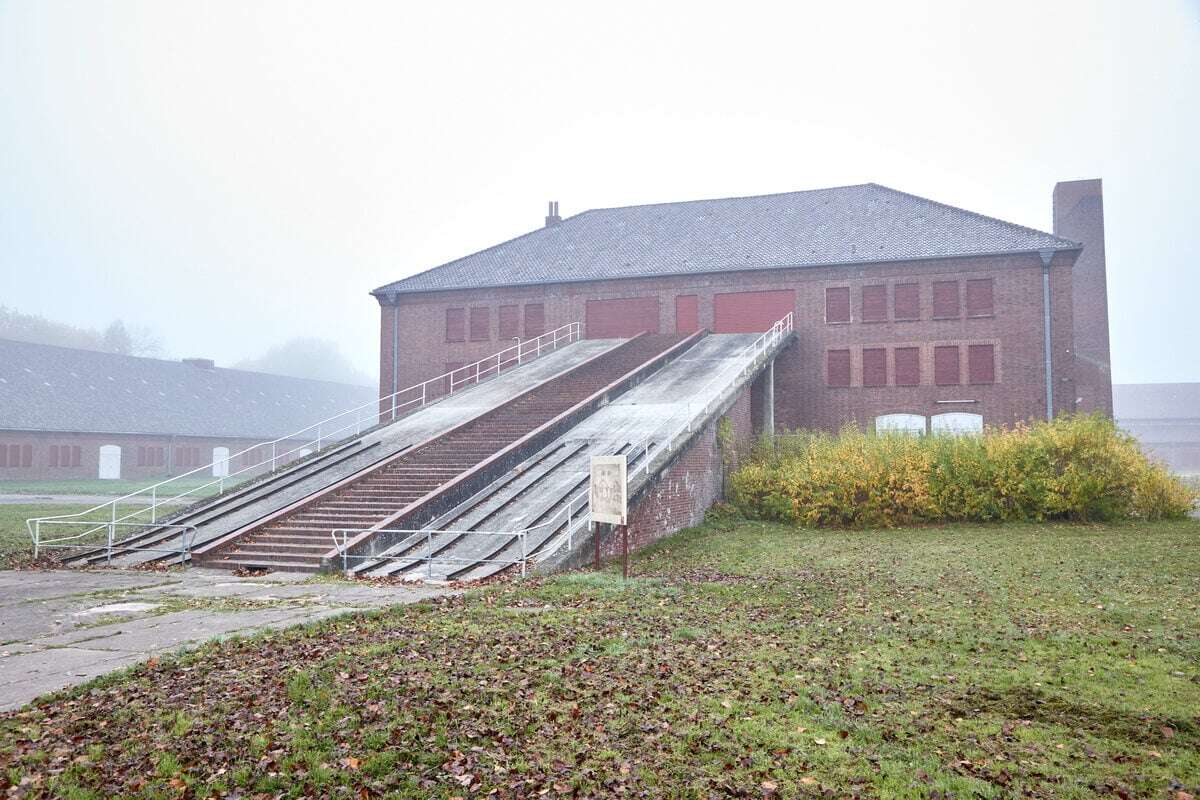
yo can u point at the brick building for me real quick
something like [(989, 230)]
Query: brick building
[(910, 313), (69, 414)]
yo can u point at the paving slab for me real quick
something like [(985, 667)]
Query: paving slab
[(59, 628)]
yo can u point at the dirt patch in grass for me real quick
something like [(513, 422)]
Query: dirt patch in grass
[(749, 661)]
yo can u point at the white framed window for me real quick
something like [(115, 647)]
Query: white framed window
[(957, 423), (913, 424)]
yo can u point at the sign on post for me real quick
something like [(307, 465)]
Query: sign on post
[(606, 497)]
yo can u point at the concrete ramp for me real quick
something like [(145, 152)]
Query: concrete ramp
[(231, 511), (537, 512)]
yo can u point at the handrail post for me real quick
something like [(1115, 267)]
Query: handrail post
[(318, 436), (37, 537), (272, 456), (154, 503), (345, 556), (112, 529)]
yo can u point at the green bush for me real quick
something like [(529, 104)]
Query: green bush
[(1076, 467)]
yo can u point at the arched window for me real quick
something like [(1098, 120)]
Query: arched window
[(957, 423), (900, 423)]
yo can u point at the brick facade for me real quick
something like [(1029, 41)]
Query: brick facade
[(803, 398), (163, 456)]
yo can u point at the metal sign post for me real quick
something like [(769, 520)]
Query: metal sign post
[(608, 501)]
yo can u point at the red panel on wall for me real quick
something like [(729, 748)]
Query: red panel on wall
[(687, 313), (906, 299), (908, 366), (979, 297), (945, 365), (622, 317), (874, 366), (981, 363), (945, 299), (535, 320), (874, 303), (751, 312), (837, 304)]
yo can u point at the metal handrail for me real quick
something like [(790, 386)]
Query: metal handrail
[(667, 444), (513, 355), (111, 542), (671, 442)]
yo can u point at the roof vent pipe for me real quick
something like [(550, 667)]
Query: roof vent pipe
[(552, 217)]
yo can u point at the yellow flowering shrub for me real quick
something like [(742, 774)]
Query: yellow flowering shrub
[(1077, 467)]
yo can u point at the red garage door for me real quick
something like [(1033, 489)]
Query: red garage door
[(750, 312), (622, 317)]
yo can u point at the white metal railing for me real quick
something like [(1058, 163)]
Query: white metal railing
[(256, 460), (669, 437), (573, 512), (109, 542)]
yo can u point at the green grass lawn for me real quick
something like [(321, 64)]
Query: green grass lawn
[(744, 660), (115, 488)]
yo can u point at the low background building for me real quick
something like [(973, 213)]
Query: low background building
[(1165, 417), (71, 414)]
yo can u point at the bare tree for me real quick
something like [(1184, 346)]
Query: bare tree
[(319, 359)]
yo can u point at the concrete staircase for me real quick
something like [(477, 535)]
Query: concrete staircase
[(415, 485)]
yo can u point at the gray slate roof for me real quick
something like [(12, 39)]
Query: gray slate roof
[(64, 389), (843, 225)]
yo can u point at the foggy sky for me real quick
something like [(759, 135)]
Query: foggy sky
[(238, 174)]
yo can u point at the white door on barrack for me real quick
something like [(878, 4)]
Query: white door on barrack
[(110, 462), (220, 462)]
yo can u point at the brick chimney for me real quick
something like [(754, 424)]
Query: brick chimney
[(552, 218), (1079, 215), (201, 363)]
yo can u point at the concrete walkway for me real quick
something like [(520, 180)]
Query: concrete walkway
[(60, 628)]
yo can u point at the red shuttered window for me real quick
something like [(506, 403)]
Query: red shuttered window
[(456, 319), (874, 303), (906, 300), (3, 455), (54, 455), (908, 366), (979, 297), (838, 366), (874, 366), (535, 320), (837, 304), (981, 363), (945, 300), (945, 365), (481, 324), (510, 322)]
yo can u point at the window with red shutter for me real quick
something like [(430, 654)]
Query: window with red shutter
[(509, 321), (14, 455), (874, 303), (3, 455), (981, 363), (75, 456), (481, 324), (906, 301), (838, 365), (27, 455), (874, 366), (456, 324), (535, 320), (945, 365), (837, 304), (908, 366), (945, 300), (54, 455), (979, 297)]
